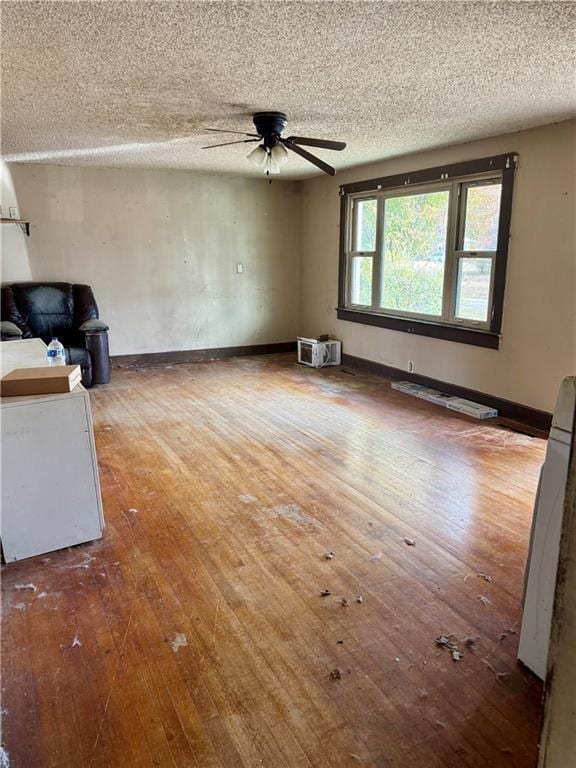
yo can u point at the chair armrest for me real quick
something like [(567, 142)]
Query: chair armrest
[(93, 326), (9, 330)]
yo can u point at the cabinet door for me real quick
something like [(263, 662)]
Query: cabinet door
[(50, 492)]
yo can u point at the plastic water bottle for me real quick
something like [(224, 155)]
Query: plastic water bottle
[(56, 354)]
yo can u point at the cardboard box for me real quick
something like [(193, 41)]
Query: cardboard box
[(47, 380)]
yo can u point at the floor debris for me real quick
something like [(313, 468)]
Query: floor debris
[(484, 600), (446, 641), (4, 758), (245, 498), (469, 642), (360, 599), (485, 576), (291, 512), (325, 593), (376, 557), (328, 555), (85, 564), (76, 642), (409, 542), (21, 587), (180, 641), (336, 674), (500, 676), (339, 642), (345, 603)]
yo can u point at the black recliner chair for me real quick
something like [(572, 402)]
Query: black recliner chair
[(44, 310)]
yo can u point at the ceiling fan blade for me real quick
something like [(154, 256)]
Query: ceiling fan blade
[(221, 130), (324, 143), (307, 156), (226, 143)]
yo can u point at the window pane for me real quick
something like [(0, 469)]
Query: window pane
[(365, 225), (361, 280), (482, 214), (473, 288), (414, 252)]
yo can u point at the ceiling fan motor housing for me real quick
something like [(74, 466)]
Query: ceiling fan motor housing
[(270, 125)]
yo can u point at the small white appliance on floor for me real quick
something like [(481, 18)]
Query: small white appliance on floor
[(319, 353), (545, 538)]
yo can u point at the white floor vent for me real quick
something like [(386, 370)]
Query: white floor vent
[(469, 407)]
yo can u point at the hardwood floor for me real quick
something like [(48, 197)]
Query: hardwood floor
[(195, 633)]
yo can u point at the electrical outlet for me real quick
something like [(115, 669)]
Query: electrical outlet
[(410, 366), (13, 212), (239, 268)]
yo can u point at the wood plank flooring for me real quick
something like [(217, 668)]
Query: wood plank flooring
[(194, 633)]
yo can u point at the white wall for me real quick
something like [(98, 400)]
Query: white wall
[(14, 253), (538, 345), (160, 249)]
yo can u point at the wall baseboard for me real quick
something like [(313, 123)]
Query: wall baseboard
[(200, 355), (509, 410)]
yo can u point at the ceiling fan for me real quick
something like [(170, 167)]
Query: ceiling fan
[(271, 154)]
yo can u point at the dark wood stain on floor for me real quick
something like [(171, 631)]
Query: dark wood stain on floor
[(201, 636)]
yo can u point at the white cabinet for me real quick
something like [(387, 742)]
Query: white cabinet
[(50, 491)]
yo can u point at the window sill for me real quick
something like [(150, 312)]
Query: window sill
[(461, 334)]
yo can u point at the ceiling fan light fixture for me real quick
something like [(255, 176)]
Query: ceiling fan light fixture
[(272, 153), (272, 166), (258, 157), (279, 154)]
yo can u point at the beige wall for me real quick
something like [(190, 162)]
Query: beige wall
[(160, 249), (539, 331)]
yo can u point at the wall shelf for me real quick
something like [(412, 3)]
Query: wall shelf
[(22, 223)]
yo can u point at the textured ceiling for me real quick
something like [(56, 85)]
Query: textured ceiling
[(134, 83)]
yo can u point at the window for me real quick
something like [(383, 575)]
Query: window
[(426, 252)]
